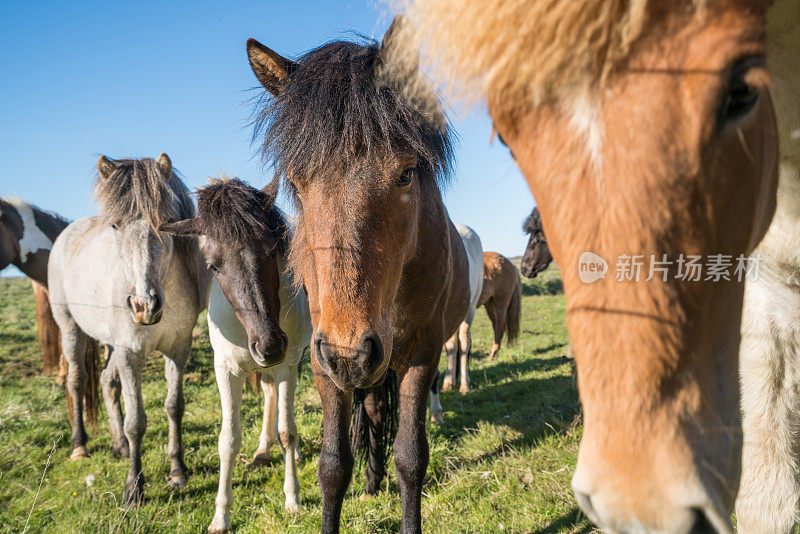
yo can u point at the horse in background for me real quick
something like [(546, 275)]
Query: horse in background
[(501, 297), (459, 346), (642, 128), (115, 278), (769, 493), (26, 237), (384, 267), (537, 255), (258, 320)]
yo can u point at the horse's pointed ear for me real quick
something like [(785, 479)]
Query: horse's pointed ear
[(184, 227), (105, 167), (164, 165), (399, 49), (270, 68), (271, 192)]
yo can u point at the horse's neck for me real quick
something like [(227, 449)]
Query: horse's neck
[(39, 231), (779, 247)]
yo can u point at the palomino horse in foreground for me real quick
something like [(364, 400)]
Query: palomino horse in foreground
[(459, 345), (115, 278), (537, 255), (258, 320), (769, 493), (646, 132), (385, 269), (26, 237), (502, 298)]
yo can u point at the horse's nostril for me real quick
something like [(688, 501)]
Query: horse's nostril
[(701, 525)]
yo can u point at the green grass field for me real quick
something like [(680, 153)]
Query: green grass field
[(502, 462)]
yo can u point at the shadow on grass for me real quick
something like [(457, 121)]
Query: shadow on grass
[(570, 520), (543, 287)]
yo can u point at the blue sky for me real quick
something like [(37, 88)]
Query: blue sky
[(80, 79)]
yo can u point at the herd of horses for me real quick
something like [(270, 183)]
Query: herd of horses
[(641, 127)]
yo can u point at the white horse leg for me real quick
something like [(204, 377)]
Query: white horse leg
[(465, 346), (230, 441), (268, 436), (174, 404), (769, 492), (287, 432), (451, 352), (112, 390), (73, 343), (130, 374)]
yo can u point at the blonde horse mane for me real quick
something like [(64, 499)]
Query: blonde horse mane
[(528, 51)]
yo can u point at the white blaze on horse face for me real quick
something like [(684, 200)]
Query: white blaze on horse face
[(33, 239), (146, 256)]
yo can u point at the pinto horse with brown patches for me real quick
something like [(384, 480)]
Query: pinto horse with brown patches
[(501, 297), (384, 267), (643, 128), (27, 234)]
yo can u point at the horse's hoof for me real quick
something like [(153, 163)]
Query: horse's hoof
[(446, 385), (491, 356), (177, 480), (291, 507), (120, 451), (133, 496), (365, 497), (464, 390), (78, 453), (219, 525), (259, 460), (436, 417)]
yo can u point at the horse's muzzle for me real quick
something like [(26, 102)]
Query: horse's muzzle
[(267, 354), (145, 311), (351, 367)]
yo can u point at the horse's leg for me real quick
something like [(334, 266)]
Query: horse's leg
[(465, 346), (375, 403), (451, 351), (497, 317), (287, 432), (129, 365), (174, 367), (411, 444), (112, 389), (268, 436), (436, 406), (335, 459), (73, 342), (230, 441)]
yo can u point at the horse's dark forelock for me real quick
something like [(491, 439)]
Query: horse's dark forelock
[(533, 224), (232, 210), (334, 111), (135, 189)]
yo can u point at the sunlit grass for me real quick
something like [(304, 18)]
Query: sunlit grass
[(501, 462)]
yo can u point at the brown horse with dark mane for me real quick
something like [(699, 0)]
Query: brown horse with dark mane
[(501, 296), (384, 267), (537, 255)]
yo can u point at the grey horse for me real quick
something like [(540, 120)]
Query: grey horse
[(115, 278)]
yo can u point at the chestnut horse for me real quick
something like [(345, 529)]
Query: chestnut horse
[(258, 320), (537, 255), (643, 129), (501, 297), (384, 267), (26, 237)]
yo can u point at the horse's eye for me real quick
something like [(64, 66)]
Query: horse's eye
[(212, 268), (740, 97), (114, 226), (407, 176)]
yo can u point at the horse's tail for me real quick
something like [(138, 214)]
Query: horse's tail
[(360, 443), (49, 335), (514, 311)]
